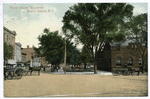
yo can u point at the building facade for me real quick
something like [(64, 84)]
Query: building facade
[(122, 55), (9, 37), (31, 54), (18, 52), (23, 57)]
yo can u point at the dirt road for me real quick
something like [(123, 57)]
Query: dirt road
[(50, 85)]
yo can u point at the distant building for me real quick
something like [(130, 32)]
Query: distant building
[(121, 55), (23, 57), (31, 54), (18, 52), (9, 37)]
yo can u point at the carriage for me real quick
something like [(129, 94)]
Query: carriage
[(18, 72), (126, 71), (12, 72)]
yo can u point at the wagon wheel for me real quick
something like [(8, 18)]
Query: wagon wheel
[(18, 74), (25, 73), (125, 73), (9, 75), (115, 73), (118, 73)]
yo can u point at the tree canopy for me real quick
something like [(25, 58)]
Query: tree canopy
[(137, 27), (8, 51), (52, 47), (91, 23)]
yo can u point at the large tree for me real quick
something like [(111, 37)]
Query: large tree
[(91, 23), (8, 52), (52, 47)]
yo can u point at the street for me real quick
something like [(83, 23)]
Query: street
[(61, 85)]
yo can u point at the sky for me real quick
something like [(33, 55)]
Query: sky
[(28, 22)]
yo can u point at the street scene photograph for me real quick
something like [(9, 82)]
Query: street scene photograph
[(97, 49)]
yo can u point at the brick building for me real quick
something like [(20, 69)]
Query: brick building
[(9, 37), (23, 57), (122, 54), (30, 52)]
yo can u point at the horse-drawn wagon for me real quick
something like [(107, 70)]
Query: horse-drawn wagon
[(119, 71), (126, 71), (11, 72)]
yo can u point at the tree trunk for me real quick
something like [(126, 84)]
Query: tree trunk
[(142, 66), (95, 66), (84, 65)]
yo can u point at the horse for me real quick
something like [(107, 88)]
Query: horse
[(35, 69)]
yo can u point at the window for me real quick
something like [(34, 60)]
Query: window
[(118, 61), (130, 61), (140, 61)]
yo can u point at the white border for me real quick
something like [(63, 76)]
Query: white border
[(59, 1)]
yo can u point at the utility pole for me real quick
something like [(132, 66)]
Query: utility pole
[(65, 59)]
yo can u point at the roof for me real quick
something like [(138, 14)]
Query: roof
[(12, 32), (126, 42), (18, 44)]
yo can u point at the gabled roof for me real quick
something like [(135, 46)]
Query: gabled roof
[(126, 42)]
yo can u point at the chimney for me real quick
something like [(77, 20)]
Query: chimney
[(32, 46), (27, 46)]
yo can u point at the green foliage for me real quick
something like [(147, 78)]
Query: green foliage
[(138, 26), (85, 56), (90, 22), (52, 47), (75, 57), (8, 51), (119, 37)]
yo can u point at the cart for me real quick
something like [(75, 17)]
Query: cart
[(13, 72)]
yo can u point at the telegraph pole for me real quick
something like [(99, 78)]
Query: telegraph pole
[(65, 58)]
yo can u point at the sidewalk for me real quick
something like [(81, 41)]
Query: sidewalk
[(99, 72)]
